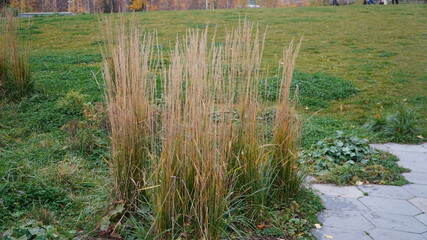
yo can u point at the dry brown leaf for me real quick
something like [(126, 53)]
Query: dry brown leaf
[(329, 236), (261, 226), (317, 225)]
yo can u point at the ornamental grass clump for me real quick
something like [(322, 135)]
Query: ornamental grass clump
[(190, 153), (129, 91), (14, 69), (288, 179)]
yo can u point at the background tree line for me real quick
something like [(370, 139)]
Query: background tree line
[(105, 6)]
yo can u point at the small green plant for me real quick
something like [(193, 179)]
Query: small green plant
[(41, 214), (73, 102), (345, 159), (37, 230), (403, 125), (87, 134)]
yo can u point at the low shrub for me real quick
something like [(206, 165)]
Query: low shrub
[(345, 159), (36, 230)]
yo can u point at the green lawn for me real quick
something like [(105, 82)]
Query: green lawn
[(381, 50)]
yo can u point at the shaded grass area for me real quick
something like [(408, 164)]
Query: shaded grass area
[(384, 60)]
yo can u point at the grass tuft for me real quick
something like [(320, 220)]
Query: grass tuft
[(15, 79)]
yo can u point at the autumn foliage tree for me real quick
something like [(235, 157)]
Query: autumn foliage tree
[(137, 5)]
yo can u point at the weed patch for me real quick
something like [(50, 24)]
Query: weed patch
[(314, 89), (346, 159)]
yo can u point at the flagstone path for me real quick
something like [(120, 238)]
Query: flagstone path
[(379, 212)]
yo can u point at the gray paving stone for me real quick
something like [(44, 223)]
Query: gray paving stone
[(417, 189), (396, 222), (405, 147), (333, 190), (335, 203), (340, 234), (425, 235), (383, 234), (417, 162), (388, 205), (386, 191), (424, 145), (345, 220), (422, 218), (380, 147), (417, 178), (420, 203)]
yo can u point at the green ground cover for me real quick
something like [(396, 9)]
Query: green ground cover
[(356, 62)]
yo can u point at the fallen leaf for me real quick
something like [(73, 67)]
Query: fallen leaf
[(317, 225), (343, 196), (329, 236), (261, 226), (420, 137), (359, 183)]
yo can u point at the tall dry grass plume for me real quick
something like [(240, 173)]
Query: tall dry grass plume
[(191, 170), (14, 68), (129, 73), (190, 151), (288, 179)]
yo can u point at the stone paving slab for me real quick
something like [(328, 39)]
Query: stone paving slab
[(396, 222), (381, 147), (383, 234), (422, 218), (417, 190), (388, 205), (345, 220), (406, 147), (340, 234), (335, 203), (386, 212), (417, 178), (333, 190), (417, 162), (386, 191), (420, 203)]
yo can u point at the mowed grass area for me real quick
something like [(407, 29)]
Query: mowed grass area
[(380, 49)]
